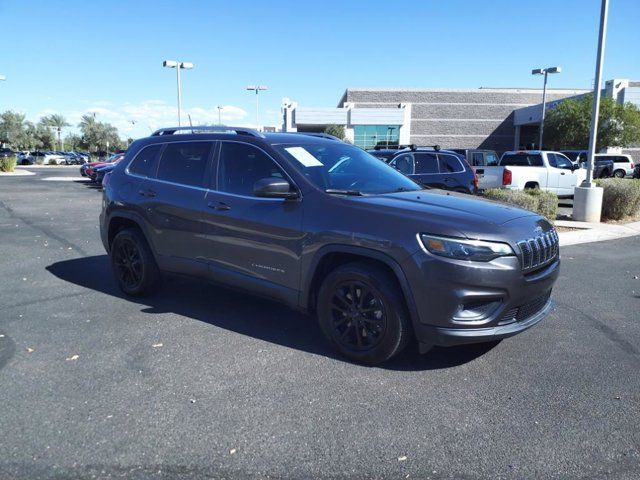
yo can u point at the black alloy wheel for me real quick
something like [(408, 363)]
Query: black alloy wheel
[(358, 315), (133, 263), (362, 311)]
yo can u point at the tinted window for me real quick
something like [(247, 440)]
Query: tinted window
[(521, 159), (477, 159), (184, 162), (450, 164), (492, 159), (551, 157), (241, 166), (145, 162), (426, 163), (404, 163)]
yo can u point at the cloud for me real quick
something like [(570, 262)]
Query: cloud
[(138, 119)]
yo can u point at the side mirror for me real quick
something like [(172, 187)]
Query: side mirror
[(273, 187)]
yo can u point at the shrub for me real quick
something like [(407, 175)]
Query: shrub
[(7, 164), (534, 199), (53, 161), (620, 198)]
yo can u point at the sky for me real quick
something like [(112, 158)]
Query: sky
[(105, 57)]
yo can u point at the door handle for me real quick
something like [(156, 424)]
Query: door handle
[(147, 193), (219, 206), (562, 173), (479, 171)]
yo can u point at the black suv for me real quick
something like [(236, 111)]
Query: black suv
[(432, 167), (325, 227)]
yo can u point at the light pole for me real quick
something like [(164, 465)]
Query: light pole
[(178, 66), (545, 72), (220, 108), (257, 88), (587, 199)]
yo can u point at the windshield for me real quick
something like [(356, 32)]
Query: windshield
[(338, 166)]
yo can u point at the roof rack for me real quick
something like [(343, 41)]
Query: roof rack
[(208, 129)]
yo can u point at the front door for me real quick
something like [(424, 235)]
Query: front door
[(252, 242)]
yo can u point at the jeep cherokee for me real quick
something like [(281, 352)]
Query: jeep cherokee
[(327, 228)]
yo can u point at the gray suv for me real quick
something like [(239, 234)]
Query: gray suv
[(326, 228)]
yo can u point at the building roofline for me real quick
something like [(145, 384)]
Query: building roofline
[(461, 90)]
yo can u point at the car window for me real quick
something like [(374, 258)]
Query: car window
[(144, 164), (563, 162), (426, 163), (241, 165), (450, 164), (551, 157), (404, 163), (184, 162), (477, 159), (522, 159), (491, 159)]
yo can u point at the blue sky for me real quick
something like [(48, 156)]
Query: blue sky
[(74, 56)]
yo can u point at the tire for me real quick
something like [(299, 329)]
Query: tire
[(619, 174), (133, 264), (372, 329), (531, 185)]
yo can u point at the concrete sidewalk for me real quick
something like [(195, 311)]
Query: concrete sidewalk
[(595, 232)]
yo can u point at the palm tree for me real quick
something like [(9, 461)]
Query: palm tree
[(58, 122)]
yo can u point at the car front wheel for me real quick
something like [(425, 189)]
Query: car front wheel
[(362, 312), (619, 174), (133, 264)]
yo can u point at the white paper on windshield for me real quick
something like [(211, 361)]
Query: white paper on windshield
[(304, 157)]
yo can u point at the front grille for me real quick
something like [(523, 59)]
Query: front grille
[(526, 311), (538, 251)]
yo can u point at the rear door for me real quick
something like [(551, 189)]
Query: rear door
[(454, 175), (427, 170), (252, 242), (174, 204)]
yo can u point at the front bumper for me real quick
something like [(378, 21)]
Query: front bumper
[(444, 289)]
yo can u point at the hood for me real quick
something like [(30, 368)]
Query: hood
[(472, 216)]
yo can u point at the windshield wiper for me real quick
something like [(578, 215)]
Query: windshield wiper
[(336, 191)]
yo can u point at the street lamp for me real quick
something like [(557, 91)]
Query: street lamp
[(178, 66), (220, 108), (545, 72), (256, 88)]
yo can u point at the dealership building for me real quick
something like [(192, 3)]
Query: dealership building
[(494, 118)]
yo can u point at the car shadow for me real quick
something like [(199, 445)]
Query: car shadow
[(247, 314)]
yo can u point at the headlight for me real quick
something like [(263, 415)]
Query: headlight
[(461, 249)]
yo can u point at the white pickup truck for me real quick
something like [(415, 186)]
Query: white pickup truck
[(550, 171)]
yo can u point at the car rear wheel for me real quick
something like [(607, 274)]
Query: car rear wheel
[(133, 264), (363, 314), (619, 174)]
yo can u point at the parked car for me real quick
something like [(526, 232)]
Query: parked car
[(547, 170), (43, 158), (325, 227), (100, 172), (6, 152), (636, 171), (603, 167), (91, 170), (87, 169), (623, 164), (479, 159), (432, 168)]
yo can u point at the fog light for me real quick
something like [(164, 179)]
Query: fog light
[(476, 310)]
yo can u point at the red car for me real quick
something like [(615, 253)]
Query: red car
[(87, 170)]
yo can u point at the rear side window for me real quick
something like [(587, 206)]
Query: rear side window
[(184, 163), (144, 164), (521, 159), (241, 166), (426, 163), (450, 164), (477, 159)]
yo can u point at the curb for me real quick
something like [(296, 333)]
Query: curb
[(595, 232)]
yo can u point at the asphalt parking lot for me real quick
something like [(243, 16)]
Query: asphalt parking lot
[(198, 381)]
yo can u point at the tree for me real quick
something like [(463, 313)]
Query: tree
[(14, 129), (44, 137), (97, 135), (58, 122), (335, 130), (72, 141), (567, 125)]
